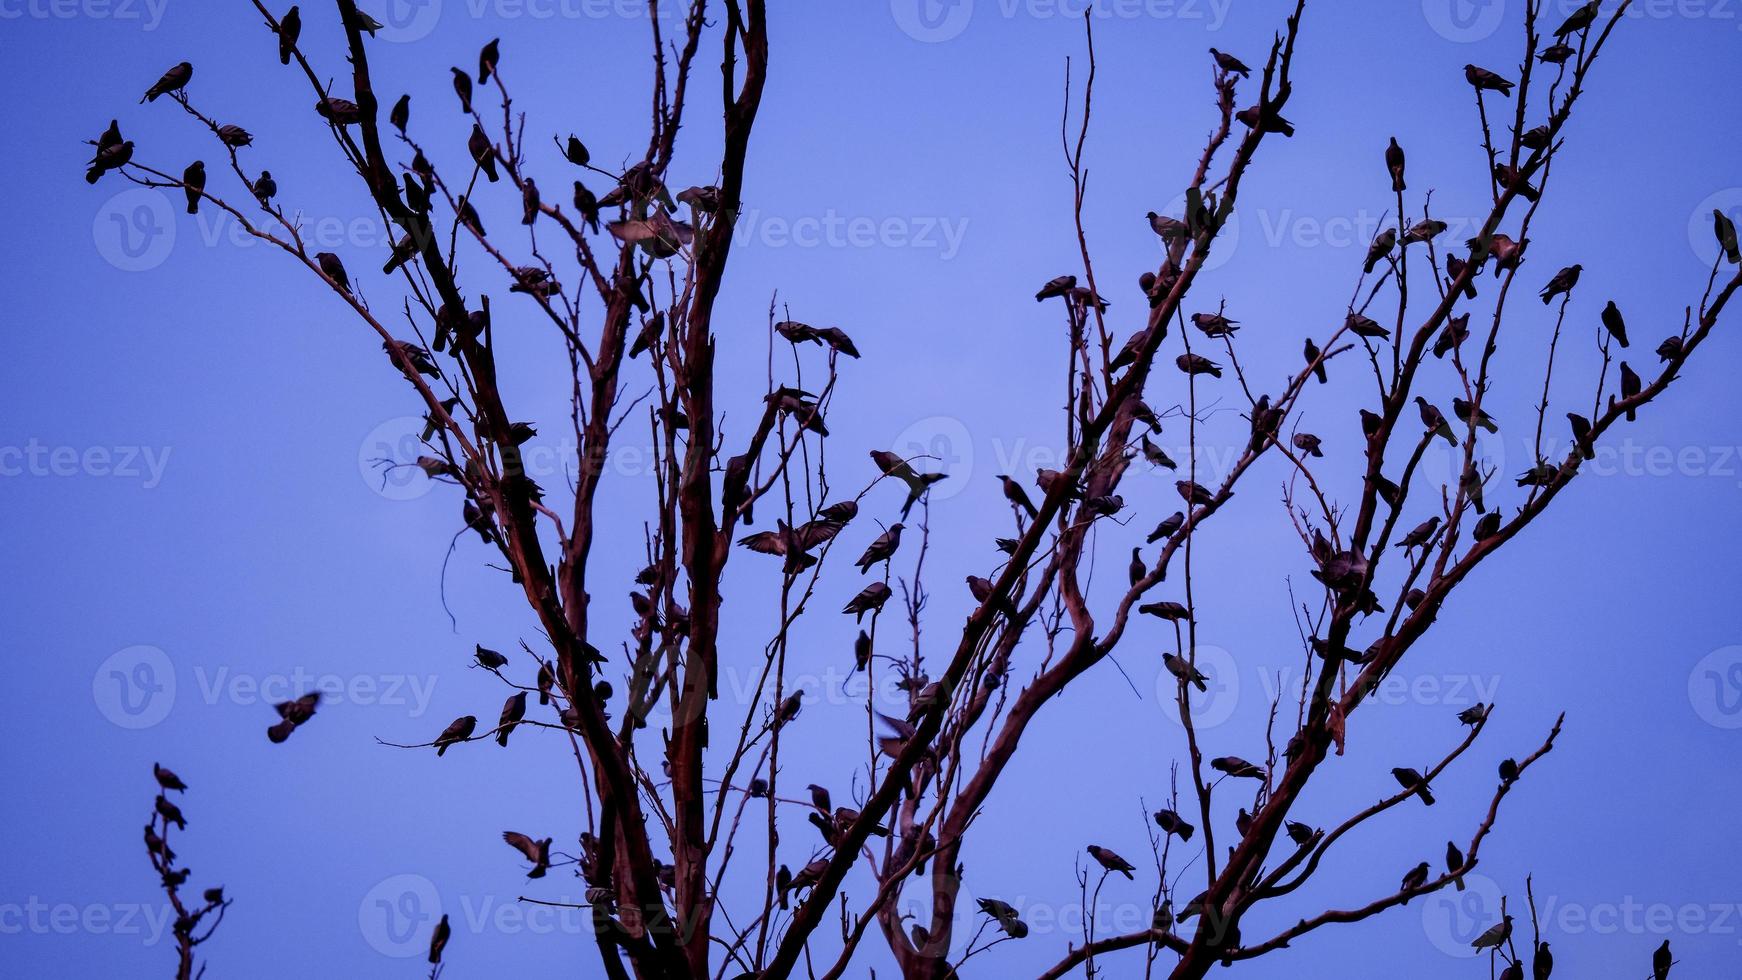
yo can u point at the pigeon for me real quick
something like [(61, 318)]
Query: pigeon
[(1508, 770), (1415, 878), (1629, 388), (1454, 864), (438, 940), (870, 599), (1233, 765), (173, 80), (1264, 119), (1173, 522), (1215, 324), (1613, 323), (1487, 527), (881, 549), (1171, 612), (917, 483), (458, 730), (1537, 138), (289, 29), (1058, 286), (339, 112), (193, 181), (170, 813), (1670, 349), (1171, 230), (463, 88), (1510, 177), (1178, 667), (167, 780), (1230, 64), (575, 152), (234, 136), (487, 58), (1111, 861), (1133, 347), (112, 157), (400, 115), (1301, 833), (1425, 230), (1661, 962), (1562, 283), (1017, 496), (1362, 325), (1307, 443), (1582, 435), (1394, 163), (1195, 364), (1311, 353), (513, 710), (1005, 915), (1421, 534), (1579, 20), (1473, 714), (837, 340), (1434, 422), (1155, 455), (1172, 823), (528, 201), (1514, 971), (1541, 962), (483, 154), (1453, 334), (536, 851), (1382, 245), (1194, 493), (1483, 79), (265, 188), (293, 714), (1495, 935), (1462, 409), (1409, 779)]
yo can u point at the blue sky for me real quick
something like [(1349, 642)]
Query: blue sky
[(187, 423)]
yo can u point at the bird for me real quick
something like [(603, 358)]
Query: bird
[(1167, 611), (528, 201), (1425, 230), (1382, 245), (1058, 286), (463, 88), (1170, 229), (1187, 674), (289, 29), (1473, 714), (536, 851), (234, 136), (458, 730), (193, 182), (1420, 534), (1508, 770), (1173, 522), (1452, 335), (1193, 492), (1483, 79), (1537, 138), (333, 269), (1512, 178), (1629, 388), (400, 115), (892, 465), (438, 940), (1017, 496), (1111, 861), (1556, 54), (1455, 863), (488, 56), (1195, 364), (173, 80), (1562, 283), (1541, 962), (1265, 119), (1137, 569), (1311, 353), (1243, 822), (1670, 349), (166, 779), (881, 549), (1413, 879), (1462, 410), (1579, 19), (339, 112), (293, 714), (1005, 915), (1455, 267), (1487, 527), (1215, 324), (265, 188), (1155, 455), (1409, 779), (1514, 971), (1172, 823), (1495, 935), (1301, 833), (1582, 435), (1233, 765), (1725, 229), (1394, 163), (870, 599), (513, 710), (1362, 325), (170, 813), (1128, 354), (488, 658), (483, 154), (1307, 443), (1613, 323), (1661, 962), (1230, 64), (1433, 421)]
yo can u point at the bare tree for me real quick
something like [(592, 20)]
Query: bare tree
[(638, 269), (191, 927)]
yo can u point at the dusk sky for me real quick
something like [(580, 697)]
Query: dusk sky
[(189, 424)]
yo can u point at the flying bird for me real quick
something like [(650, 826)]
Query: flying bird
[(292, 714), (536, 851)]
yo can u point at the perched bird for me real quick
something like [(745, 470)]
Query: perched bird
[(1111, 861), (1411, 780), (1128, 354), (1483, 79), (333, 269), (870, 599), (513, 710), (1170, 229), (1562, 283), (1172, 823), (1452, 335), (1362, 325), (1473, 714), (1382, 245), (1187, 674), (1413, 879), (1455, 267), (1495, 935), (438, 940), (1513, 971), (1171, 612), (861, 650), (1487, 527), (1556, 54), (1155, 455), (265, 188), (193, 183), (1670, 349), (1215, 324), (1136, 570), (528, 201), (339, 112), (112, 157), (173, 80), (1508, 770), (1394, 163), (232, 135), (1242, 822), (575, 152), (400, 115), (1233, 765), (463, 88), (1301, 833), (1017, 496), (536, 851), (1005, 915), (1265, 119), (1541, 962), (1433, 421), (1629, 387), (1582, 435), (1536, 138), (1195, 364), (1512, 178), (170, 813), (881, 549), (1421, 534), (1307, 443), (1230, 64), (166, 779), (289, 29), (1311, 353), (1194, 493), (1169, 524), (458, 730), (1725, 229), (1579, 20), (1454, 864), (1425, 230), (488, 56), (1462, 410), (1058, 286), (1661, 962), (1613, 323), (483, 154)]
